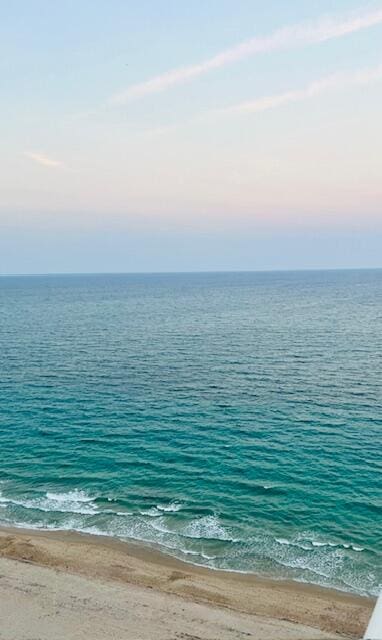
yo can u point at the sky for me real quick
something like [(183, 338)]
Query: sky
[(187, 136)]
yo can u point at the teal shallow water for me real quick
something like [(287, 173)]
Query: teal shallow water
[(233, 420)]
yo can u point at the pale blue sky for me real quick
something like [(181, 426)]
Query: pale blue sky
[(266, 157)]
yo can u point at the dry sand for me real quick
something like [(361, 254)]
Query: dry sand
[(66, 586)]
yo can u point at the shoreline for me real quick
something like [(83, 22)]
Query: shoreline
[(133, 566)]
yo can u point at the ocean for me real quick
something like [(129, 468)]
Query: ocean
[(233, 420)]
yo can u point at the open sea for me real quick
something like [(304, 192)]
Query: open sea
[(233, 420)]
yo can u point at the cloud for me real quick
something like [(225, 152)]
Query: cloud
[(332, 82), (284, 38), (42, 159)]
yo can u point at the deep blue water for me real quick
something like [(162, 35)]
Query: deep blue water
[(235, 419)]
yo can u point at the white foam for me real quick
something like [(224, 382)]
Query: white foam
[(70, 502), (311, 568), (153, 512), (329, 543), (207, 557), (207, 527), (76, 496), (291, 543), (173, 507), (308, 542), (283, 541)]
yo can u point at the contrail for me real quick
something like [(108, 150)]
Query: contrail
[(285, 38), (332, 82)]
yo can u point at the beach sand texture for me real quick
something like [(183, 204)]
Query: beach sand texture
[(70, 586)]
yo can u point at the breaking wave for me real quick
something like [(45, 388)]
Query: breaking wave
[(70, 502), (203, 539)]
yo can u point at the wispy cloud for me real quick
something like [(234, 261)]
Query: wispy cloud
[(284, 38), (328, 83), (42, 159), (332, 82)]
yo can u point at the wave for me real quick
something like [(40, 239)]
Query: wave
[(307, 543), (77, 495), (202, 540), (207, 528), (161, 509), (72, 525), (75, 501), (173, 507), (344, 545), (79, 501), (153, 512)]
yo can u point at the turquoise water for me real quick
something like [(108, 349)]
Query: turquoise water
[(233, 420)]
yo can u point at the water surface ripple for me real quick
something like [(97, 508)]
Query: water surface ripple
[(234, 420)]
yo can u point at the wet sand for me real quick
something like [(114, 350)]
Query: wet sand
[(71, 586)]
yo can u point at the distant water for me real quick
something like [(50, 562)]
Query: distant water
[(233, 420)]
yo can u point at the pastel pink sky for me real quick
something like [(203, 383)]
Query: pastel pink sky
[(227, 118)]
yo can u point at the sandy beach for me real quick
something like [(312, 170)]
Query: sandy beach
[(70, 586)]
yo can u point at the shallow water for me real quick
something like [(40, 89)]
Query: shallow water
[(235, 420)]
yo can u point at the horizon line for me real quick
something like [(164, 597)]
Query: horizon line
[(190, 272)]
